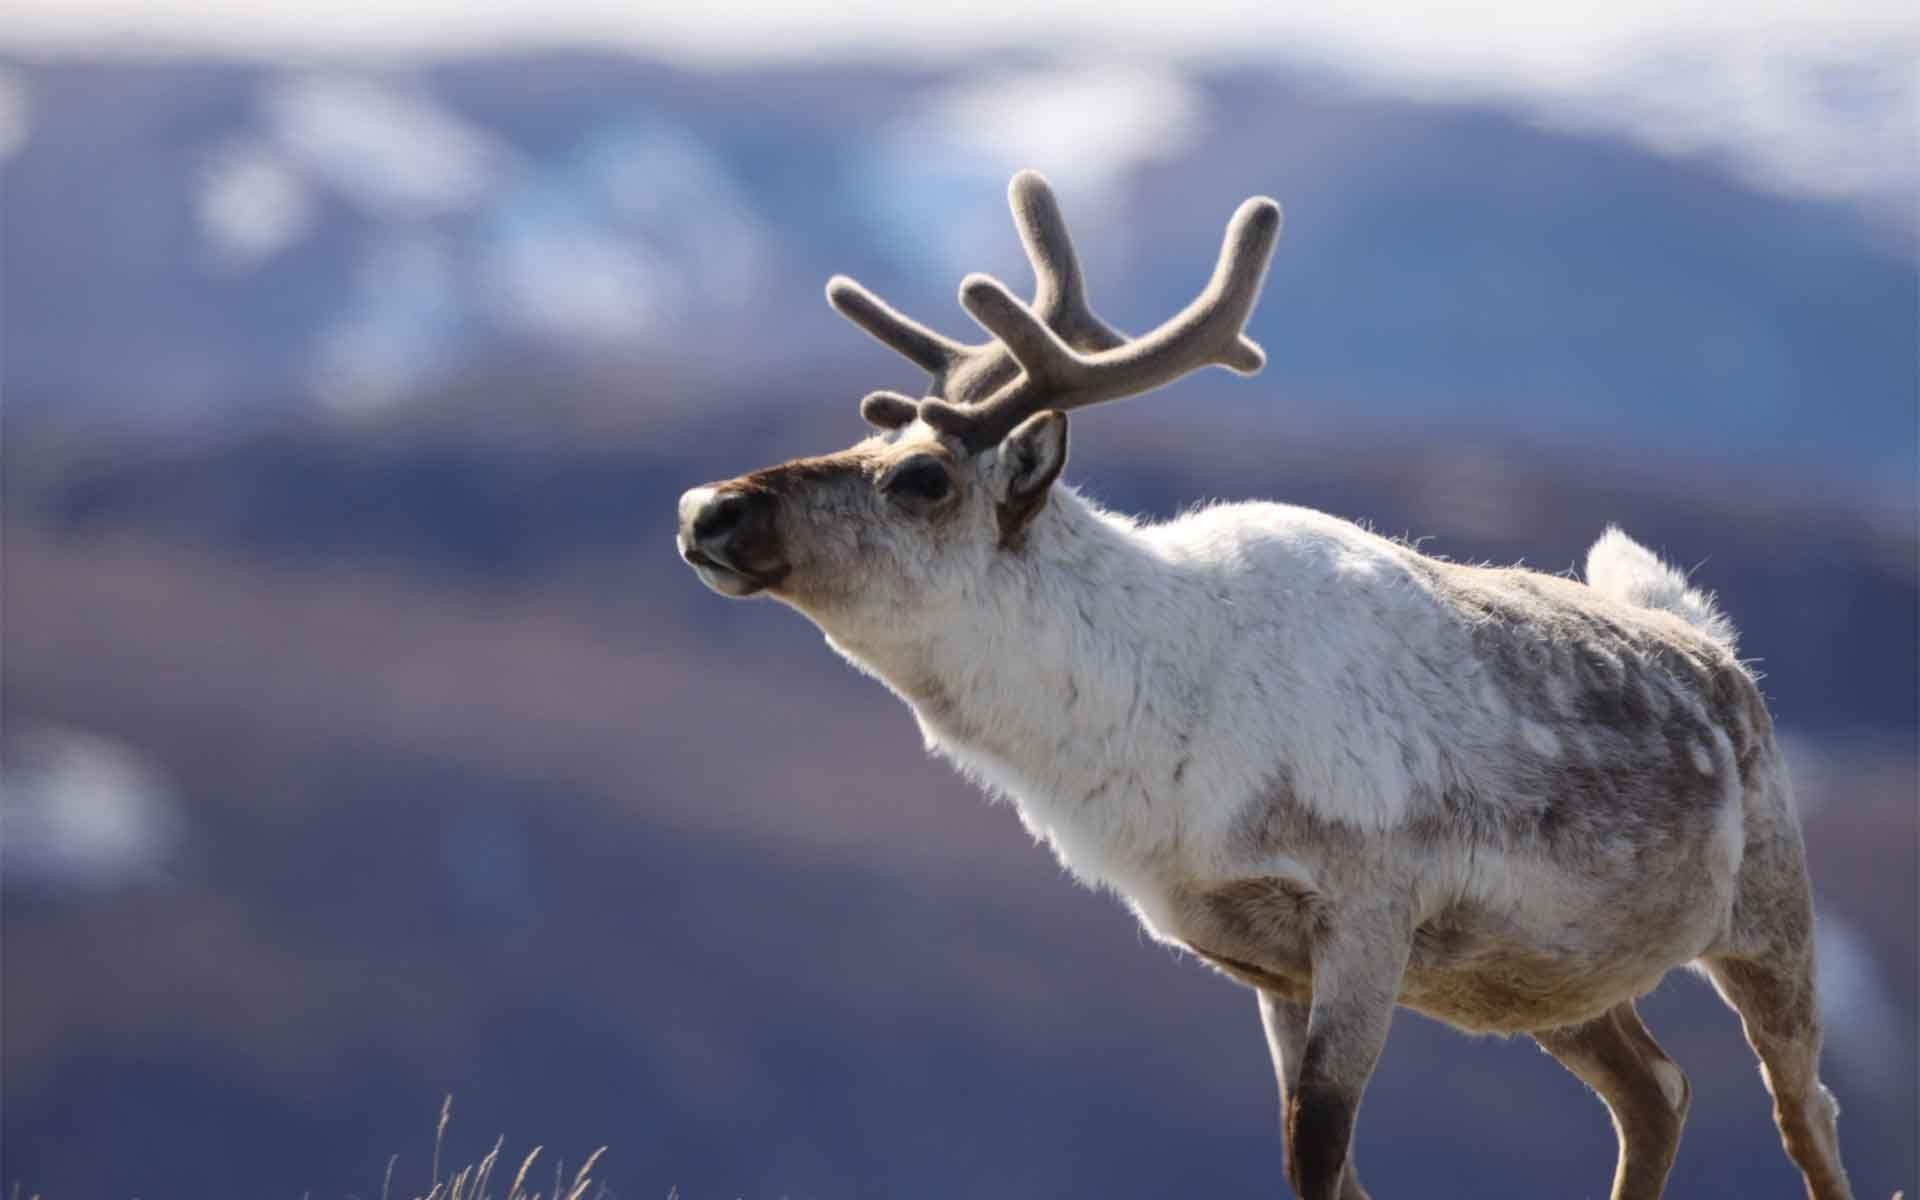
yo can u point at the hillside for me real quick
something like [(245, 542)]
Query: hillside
[(365, 740)]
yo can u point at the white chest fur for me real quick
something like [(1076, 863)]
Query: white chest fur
[(1132, 690)]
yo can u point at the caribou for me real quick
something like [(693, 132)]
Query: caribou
[(1347, 774)]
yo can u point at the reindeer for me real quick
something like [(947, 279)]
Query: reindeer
[(1344, 773)]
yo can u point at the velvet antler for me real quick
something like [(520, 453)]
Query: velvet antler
[(964, 373), (1055, 353)]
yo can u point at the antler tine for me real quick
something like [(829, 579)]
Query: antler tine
[(1207, 331), (1059, 298), (930, 351), (888, 410), (1045, 359), (1060, 291)]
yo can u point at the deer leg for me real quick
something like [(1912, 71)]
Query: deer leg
[(1775, 999), (1764, 969), (1357, 966), (1285, 1021), (1644, 1091)]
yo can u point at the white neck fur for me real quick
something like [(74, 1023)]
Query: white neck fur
[(1069, 679)]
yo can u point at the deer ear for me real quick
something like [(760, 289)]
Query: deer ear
[(1028, 462)]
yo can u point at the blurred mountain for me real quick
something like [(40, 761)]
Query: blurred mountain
[(493, 508), (449, 741), (365, 739), (189, 240)]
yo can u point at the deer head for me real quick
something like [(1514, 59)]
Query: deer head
[(914, 513)]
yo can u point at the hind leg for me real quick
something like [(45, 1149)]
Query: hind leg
[(1776, 1003), (1764, 969), (1644, 1091)]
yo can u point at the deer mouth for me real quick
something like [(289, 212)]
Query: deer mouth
[(723, 577)]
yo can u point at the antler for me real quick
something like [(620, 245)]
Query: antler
[(1064, 355), (965, 373), (1060, 292)]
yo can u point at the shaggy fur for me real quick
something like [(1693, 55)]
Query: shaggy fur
[(1342, 772)]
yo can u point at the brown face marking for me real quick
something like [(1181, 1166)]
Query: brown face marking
[(787, 478), (835, 528), (800, 494)]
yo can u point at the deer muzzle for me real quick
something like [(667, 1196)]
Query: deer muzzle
[(728, 535)]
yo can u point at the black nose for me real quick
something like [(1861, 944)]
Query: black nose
[(721, 527), (719, 517)]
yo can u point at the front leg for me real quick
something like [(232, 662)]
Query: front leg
[(1358, 959), (1285, 1020)]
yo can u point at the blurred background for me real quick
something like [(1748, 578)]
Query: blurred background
[(364, 740)]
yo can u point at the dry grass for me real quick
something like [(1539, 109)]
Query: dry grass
[(476, 1181)]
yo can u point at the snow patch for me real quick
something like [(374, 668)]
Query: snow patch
[(576, 283), (1086, 125), (640, 235), (667, 189), (1089, 123), (393, 151), (1808, 120), (251, 204), (399, 331), (83, 813), (16, 113)]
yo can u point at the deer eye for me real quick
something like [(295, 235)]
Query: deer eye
[(918, 480)]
